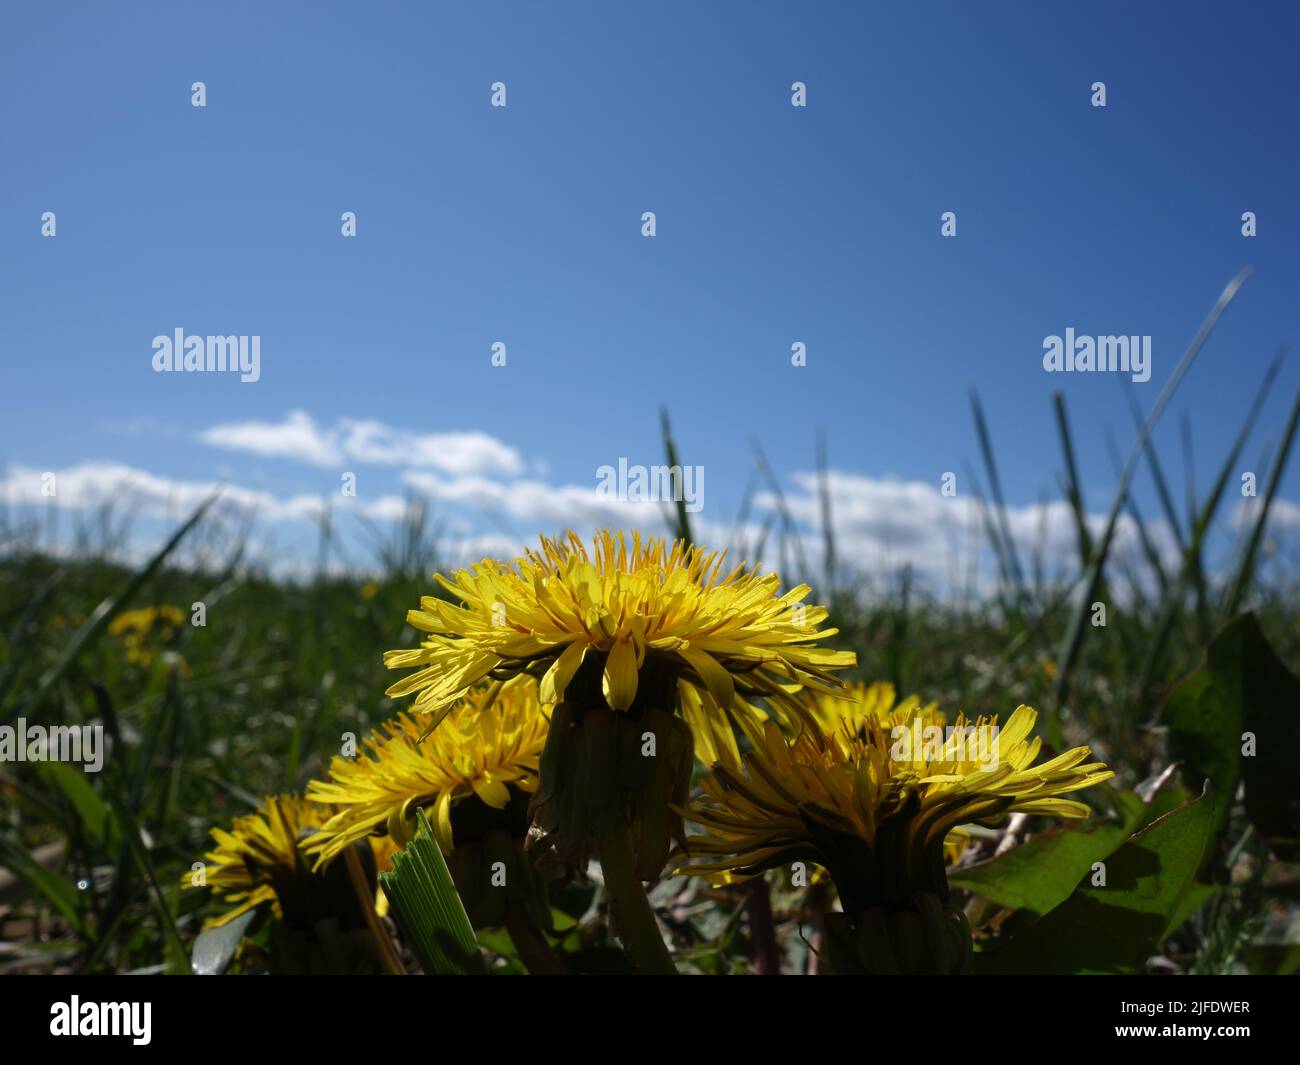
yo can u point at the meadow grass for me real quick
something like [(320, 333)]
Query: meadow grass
[(206, 720)]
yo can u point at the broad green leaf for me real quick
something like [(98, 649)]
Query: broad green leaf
[(428, 910), (1198, 894), (1039, 875), (1115, 928), (1243, 694)]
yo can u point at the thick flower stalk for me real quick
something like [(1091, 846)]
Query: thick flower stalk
[(648, 652), (872, 792)]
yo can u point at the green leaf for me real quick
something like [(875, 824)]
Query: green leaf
[(57, 889), (1273, 959), (1198, 894), (1114, 929), (1243, 690), (1039, 875), (131, 835), (428, 910), (95, 817), (683, 529), (214, 947)]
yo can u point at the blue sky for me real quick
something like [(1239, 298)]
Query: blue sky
[(522, 224)]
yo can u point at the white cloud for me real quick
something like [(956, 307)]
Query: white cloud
[(884, 524), (94, 484), (538, 504), (880, 524), (454, 453), (1283, 515), (297, 437), (300, 438)]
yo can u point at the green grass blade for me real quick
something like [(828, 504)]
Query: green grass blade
[(58, 890), (789, 531), (1246, 570), (1074, 493), (24, 631), (1192, 566), (683, 530), (995, 492), (1073, 639), (828, 526), (95, 625), (179, 960), (1157, 474)]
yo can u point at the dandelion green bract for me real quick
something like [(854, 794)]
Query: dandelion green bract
[(428, 908)]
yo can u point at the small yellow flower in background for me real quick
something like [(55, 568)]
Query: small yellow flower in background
[(369, 590), (143, 629), (489, 745), (622, 603), (872, 791)]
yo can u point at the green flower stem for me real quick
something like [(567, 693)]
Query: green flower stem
[(531, 945), (634, 920), (762, 927), (383, 944)]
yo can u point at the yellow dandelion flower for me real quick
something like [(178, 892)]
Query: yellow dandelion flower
[(622, 638), (488, 747), (872, 794), (140, 629), (861, 777), (620, 605), (257, 862), (259, 851)]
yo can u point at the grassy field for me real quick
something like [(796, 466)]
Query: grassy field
[(205, 720)]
